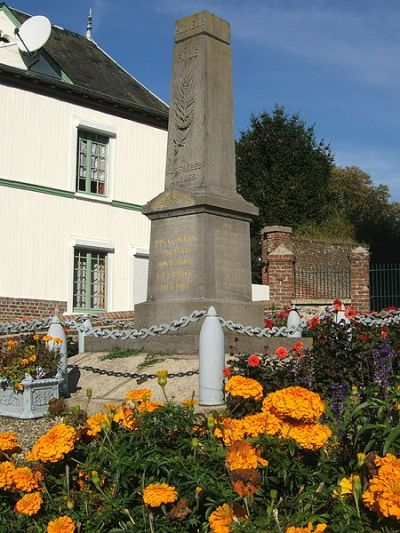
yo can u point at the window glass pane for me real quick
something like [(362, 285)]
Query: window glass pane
[(92, 162), (89, 279)]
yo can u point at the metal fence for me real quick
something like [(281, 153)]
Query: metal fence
[(322, 282), (384, 285)]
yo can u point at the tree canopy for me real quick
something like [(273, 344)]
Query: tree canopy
[(284, 170)]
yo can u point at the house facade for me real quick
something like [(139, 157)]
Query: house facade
[(82, 149)]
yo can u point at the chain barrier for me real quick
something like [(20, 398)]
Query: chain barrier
[(132, 375)]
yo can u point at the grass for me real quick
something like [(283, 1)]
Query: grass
[(151, 358)]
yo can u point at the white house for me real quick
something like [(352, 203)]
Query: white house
[(82, 148)]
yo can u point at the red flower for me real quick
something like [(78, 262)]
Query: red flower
[(350, 312), (254, 360), (337, 304), (281, 352), (297, 347), (283, 314), (384, 332), (268, 323), (314, 322), (227, 372)]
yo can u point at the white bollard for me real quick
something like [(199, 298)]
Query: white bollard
[(56, 330), (211, 360), (81, 336), (294, 320)]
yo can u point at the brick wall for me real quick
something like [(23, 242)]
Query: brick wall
[(283, 255), (12, 309)]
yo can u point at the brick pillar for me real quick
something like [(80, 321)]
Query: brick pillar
[(360, 278), (278, 263)]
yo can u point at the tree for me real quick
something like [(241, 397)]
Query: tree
[(284, 171)]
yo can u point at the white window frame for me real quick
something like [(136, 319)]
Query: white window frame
[(103, 129)]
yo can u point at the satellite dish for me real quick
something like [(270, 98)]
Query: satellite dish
[(33, 34)]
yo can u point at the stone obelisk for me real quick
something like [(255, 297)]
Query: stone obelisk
[(200, 225)]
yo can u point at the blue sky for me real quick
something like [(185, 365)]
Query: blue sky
[(337, 62)]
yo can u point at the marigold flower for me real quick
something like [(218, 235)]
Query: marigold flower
[(9, 442), (254, 360), (63, 524), (57, 340), (29, 504), (281, 352), (239, 386), (246, 482), (6, 475), (47, 338), (309, 436), (156, 494), (148, 407), (345, 486), (383, 492), (221, 519), (126, 417), (242, 455), (295, 403), (36, 337), (54, 445), (139, 395), (26, 480), (96, 423), (229, 430), (189, 403), (11, 343), (309, 529)]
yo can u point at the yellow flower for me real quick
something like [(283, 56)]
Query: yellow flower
[(32, 358), (9, 442), (221, 519), (295, 403), (189, 403), (54, 445), (239, 386), (156, 494), (29, 504), (11, 343), (63, 524), (57, 340), (96, 423), (242, 455), (24, 362), (345, 487), (309, 529), (148, 407), (36, 337), (126, 418), (162, 377), (47, 338), (309, 436)]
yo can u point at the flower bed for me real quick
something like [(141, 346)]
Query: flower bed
[(281, 459)]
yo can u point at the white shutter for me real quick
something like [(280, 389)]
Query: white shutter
[(140, 271)]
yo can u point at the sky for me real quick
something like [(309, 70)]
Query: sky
[(335, 62)]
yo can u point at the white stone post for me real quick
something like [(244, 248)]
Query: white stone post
[(211, 360), (81, 335), (294, 320), (56, 330)]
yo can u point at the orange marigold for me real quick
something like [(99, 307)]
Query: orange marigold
[(309, 436), (239, 386), (6, 475), (9, 442), (156, 494), (54, 445), (309, 529), (139, 395), (148, 407), (229, 430), (96, 423), (29, 504), (246, 482), (383, 492), (221, 519), (295, 403), (126, 417), (26, 480), (242, 455), (63, 524)]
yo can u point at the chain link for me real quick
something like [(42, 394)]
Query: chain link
[(132, 375)]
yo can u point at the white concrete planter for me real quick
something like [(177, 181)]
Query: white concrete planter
[(33, 401)]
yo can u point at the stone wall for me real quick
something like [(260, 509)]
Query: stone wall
[(284, 256), (12, 309)]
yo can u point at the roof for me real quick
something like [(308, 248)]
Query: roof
[(91, 70)]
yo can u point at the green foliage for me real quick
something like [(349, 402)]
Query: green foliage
[(119, 353), (284, 170)]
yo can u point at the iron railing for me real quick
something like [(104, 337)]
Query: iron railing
[(322, 282), (384, 285)]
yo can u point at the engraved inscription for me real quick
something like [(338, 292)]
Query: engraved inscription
[(231, 275), (181, 29), (188, 52)]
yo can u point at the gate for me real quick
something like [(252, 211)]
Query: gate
[(384, 283)]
